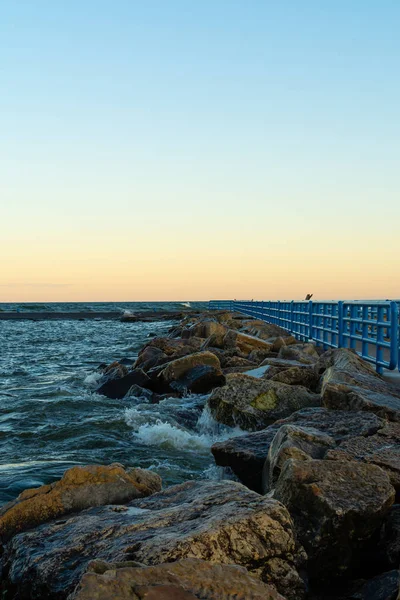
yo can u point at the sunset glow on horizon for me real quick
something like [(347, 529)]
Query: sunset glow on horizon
[(179, 151)]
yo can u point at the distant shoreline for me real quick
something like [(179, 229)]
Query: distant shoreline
[(50, 315)]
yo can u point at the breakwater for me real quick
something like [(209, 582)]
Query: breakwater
[(303, 502)]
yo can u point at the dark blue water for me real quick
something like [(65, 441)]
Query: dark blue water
[(51, 418)]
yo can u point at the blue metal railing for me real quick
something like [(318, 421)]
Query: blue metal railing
[(370, 328)]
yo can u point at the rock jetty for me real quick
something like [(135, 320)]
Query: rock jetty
[(308, 506)]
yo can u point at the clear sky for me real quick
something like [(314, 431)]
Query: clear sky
[(172, 149)]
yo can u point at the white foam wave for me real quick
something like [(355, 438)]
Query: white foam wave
[(92, 379), (187, 304), (169, 436), (154, 430)]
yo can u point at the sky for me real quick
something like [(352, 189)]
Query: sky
[(183, 150)]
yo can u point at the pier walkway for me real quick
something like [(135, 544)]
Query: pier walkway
[(369, 327)]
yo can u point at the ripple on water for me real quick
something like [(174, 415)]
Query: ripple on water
[(51, 418)]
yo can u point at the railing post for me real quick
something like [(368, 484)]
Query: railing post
[(340, 324), (310, 317), (394, 336), (291, 316)]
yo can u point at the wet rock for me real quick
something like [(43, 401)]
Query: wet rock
[(138, 392), (219, 522), (297, 442), (252, 403), (199, 380), (115, 370), (127, 362), (383, 587), (187, 578), (303, 353), (336, 508), (298, 376), (382, 449), (178, 368), (79, 488), (149, 357), (388, 548), (118, 388), (246, 454)]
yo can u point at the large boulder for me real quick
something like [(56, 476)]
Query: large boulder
[(246, 454), (344, 359), (186, 579), (79, 488), (149, 357), (219, 522), (174, 347), (261, 329), (245, 343), (388, 548), (382, 449), (303, 353), (357, 390), (385, 586), (306, 377), (337, 507), (350, 383), (199, 380), (117, 388), (178, 368), (252, 403), (207, 328), (293, 441)]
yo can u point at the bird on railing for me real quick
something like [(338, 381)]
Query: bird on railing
[(309, 296)]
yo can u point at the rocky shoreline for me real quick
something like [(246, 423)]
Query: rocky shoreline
[(311, 509)]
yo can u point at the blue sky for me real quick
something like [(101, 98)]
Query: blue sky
[(199, 135)]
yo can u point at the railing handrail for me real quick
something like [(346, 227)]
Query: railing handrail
[(362, 325)]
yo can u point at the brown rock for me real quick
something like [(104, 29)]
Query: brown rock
[(344, 359), (183, 579), (199, 380), (382, 449), (304, 353), (298, 376), (245, 343), (336, 508), (297, 442), (179, 367), (117, 388), (252, 403), (151, 356), (221, 522), (207, 328), (345, 390), (79, 488), (115, 370), (246, 454), (237, 361)]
